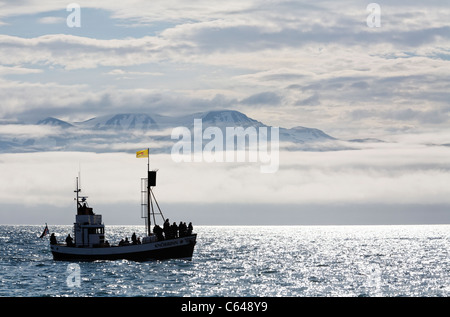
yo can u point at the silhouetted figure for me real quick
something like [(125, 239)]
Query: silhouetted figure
[(159, 232), (190, 228), (181, 230), (133, 238), (53, 239), (166, 229), (69, 241), (174, 230)]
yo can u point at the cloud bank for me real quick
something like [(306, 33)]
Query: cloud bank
[(285, 63), (298, 62), (387, 174)]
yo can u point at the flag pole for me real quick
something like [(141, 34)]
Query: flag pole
[(149, 222)]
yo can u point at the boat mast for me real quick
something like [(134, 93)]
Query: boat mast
[(149, 221), (78, 190), (150, 197)]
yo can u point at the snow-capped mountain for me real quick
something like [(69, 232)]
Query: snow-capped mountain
[(124, 121), (221, 119), (302, 134), (227, 117), (124, 130), (50, 121)]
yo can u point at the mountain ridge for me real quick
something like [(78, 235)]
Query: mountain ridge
[(209, 118), (54, 122), (119, 132)]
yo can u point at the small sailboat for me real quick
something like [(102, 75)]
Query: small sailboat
[(88, 242)]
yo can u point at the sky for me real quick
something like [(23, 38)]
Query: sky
[(284, 63)]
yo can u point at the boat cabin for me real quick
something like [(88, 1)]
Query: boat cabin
[(89, 231), (88, 228)]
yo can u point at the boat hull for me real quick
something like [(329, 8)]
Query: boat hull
[(160, 250)]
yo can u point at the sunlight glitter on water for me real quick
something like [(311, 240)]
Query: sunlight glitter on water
[(245, 261)]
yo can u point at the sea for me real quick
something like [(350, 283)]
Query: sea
[(241, 261)]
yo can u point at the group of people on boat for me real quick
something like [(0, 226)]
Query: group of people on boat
[(134, 240), (172, 231), (167, 232), (69, 240)]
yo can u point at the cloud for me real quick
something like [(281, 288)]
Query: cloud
[(123, 73), (385, 173), (52, 20), (360, 85), (28, 131), (310, 101), (287, 63), (424, 116), (74, 52), (17, 70), (39, 97), (274, 54), (82, 102), (263, 98)]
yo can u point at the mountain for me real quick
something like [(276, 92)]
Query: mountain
[(227, 117), (125, 131), (302, 135), (50, 121), (124, 121), (231, 118), (220, 118)]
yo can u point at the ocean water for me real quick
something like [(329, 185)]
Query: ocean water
[(242, 261)]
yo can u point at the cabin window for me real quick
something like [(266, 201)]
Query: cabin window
[(96, 230)]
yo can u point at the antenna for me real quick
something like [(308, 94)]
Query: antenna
[(79, 173)]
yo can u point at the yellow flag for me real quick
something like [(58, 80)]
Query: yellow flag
[(143, 153)]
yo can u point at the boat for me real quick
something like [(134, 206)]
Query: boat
[(89, 244)]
